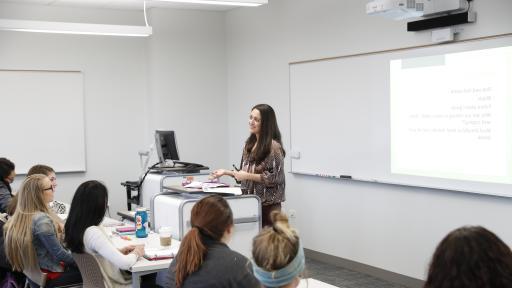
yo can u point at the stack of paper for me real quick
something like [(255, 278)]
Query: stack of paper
[(159, 254), (224, 190), (203, 185)]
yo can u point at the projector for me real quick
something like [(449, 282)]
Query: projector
[(395, 9), (404, 9), (435, 7)]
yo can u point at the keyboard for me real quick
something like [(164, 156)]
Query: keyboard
[(180, 166)]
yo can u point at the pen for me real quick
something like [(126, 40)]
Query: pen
[(236, 168)]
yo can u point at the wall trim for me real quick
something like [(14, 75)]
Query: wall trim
[(366, 269)]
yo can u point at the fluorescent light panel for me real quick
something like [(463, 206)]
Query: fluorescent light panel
[(223, 2), (74, 28)]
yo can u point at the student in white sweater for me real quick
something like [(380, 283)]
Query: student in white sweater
[(84, 234)]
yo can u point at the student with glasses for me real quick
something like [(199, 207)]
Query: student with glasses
[(7, 175), (32, 235), (57, 207)]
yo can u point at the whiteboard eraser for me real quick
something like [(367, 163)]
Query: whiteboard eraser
[(295, 155)]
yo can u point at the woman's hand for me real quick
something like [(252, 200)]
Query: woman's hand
[(240, 175), (127, 249), (218, 173)]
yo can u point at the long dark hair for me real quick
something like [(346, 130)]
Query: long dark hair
[(210, 218), (87, 209), (6, 167), (470, 257), (268, 131)]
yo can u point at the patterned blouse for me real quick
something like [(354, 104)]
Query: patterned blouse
[(271, 169)]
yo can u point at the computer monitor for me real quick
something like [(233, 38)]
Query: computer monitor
[(165, 142)]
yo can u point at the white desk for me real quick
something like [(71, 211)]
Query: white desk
[(313, 283), (144, 266)]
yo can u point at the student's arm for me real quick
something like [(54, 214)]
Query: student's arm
[(45, 232), (5, 198), (97, 242)]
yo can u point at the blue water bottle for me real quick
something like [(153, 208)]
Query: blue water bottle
[(141, 223)]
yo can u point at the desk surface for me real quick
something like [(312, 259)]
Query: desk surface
[(152, 242), (313, 283)]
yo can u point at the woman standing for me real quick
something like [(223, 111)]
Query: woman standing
[(7, 175), (262, 172), (31, 240)]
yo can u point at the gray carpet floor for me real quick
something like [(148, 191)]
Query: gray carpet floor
[(344, 278)]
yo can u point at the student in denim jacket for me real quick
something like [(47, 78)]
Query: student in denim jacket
[(32, 235)]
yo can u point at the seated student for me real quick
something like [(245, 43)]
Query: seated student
[(84, 234), (7, 175), (278, 254), (470, 257), (204, 259), (5, 266), (57, 207), (31, 239)]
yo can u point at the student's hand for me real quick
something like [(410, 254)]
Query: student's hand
[(127, 249), (138, 250), (218, 173)]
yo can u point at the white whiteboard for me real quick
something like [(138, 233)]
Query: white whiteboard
[(42, 116), (340, 119)]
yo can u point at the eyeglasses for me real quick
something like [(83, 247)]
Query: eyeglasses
[(51, 188)]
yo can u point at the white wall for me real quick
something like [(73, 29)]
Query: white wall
[(114, 72), (187, 82), (395, 228), (183, 63)]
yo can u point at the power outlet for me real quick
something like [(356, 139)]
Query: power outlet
[(292, 213)]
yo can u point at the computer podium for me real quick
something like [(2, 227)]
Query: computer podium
[(157, 181)]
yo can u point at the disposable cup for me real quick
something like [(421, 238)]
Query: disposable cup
[(165, 236)]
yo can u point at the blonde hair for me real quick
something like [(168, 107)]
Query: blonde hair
[(275, 246), (19, 247)]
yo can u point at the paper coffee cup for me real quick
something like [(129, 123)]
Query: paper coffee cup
[(165, 236)]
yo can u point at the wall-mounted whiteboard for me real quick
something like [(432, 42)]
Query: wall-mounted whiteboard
[(42, 116), (434, 116)]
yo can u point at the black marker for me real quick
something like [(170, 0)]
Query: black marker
[(345, 177)]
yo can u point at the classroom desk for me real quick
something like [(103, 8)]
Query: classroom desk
[(313, 283), (143, 266)]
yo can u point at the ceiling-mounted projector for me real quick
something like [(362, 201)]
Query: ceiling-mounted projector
[(404, 9), (395, 9)]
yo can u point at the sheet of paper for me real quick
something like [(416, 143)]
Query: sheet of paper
[(226, 190)]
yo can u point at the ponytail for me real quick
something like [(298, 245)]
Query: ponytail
[(210, 218), (275, 246), (192, 251)]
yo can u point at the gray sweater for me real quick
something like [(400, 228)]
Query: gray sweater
[(5, 196), (222, 268)]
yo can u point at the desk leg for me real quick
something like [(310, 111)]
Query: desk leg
[(136, 276), (136, 280)]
